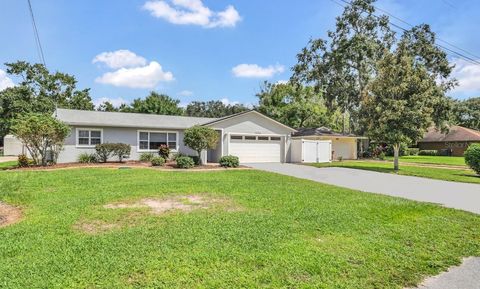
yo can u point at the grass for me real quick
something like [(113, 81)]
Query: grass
[(447, 174), (434, 160), (8, 165), (288, 233)]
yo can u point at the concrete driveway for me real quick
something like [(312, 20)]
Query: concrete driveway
[(7, 159), (461, 196)]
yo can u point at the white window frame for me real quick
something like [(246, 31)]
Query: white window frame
[(90, 129), (156, 131)]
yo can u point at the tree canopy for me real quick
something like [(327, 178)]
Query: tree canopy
[(200, 138), (213, 108), (467, 113), (155, 103), (39, 91)]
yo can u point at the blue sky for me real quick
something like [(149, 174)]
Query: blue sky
[(201, 50)]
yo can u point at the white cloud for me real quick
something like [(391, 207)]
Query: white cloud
[(227, 101), (255, 71), (115, 101), (139, 77), (5, 81), (192, 12), (468, 76), (120, 59), (185, 93)]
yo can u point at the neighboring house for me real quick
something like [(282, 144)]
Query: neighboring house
[(454, 142), (249, 135), (343, 146)]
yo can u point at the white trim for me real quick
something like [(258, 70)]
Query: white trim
[(256, 134), (177, 145), (77, 129)]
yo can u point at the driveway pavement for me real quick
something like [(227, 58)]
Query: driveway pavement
[(7, 159), (461, 196)]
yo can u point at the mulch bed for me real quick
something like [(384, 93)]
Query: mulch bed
[(124, 165)]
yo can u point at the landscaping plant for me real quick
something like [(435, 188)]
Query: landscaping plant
[(185, 162), (427, 152), (87, 158), (43, 136), (164, 151), (157, 161), (200, 138), (146, 157), (23, 161), (472, 157), (104, 151), (121, 151), (229, 161)]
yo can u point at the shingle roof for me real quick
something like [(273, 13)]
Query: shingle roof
[(456, 133), (319, 131), (124, 119)]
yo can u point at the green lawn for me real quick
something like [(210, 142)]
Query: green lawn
[(284, 233), (435, 160), (8, 165), (455, 175)]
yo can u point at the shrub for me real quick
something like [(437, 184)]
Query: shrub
[(146, 157), (381, 156), (412, 151), (427, 152), (158, 161), (229, 161), (104, 151), (164, 152), (23, 161), (121, 150), (472, 157), (87, 158), (200, 138), (185, 162), (196, 160)]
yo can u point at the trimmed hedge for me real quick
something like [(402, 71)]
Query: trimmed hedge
[(106, 150), (229, 161), (158, 161), (146, 157), (23, 161), (412, 151), (472, 157), (184, 162), (428, 153)]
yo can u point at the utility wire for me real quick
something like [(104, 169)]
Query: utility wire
[(458, 54), (37, 37)]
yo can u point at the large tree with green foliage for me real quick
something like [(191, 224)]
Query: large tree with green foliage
[(467, 113), (213, 108), (42, 135), (155, 103), (39, 91), (294, 105), (107, 106), (200, 138), (342, 66), (403, 101)]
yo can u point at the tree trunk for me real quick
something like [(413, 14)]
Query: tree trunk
[(396, 150), (200, 161)]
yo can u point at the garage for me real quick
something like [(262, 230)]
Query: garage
[(311, 151), (256, 148)]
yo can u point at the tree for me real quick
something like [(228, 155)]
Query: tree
[(42, 135), (342, 66), (467, 113), (213, 108), (155, 103), (107, 106), (294, 105), (39, 91), (404, 100), (200, 138)]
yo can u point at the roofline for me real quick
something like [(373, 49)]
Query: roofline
[(332, 136), (123, 126), (245, 112)]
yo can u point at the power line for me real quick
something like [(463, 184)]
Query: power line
[(458, 54), (37, 37)]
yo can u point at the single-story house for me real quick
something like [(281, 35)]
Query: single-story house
[(344, 146), (454, 142), (249, 135)]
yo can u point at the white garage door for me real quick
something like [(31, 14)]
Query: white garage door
[(255, 149)]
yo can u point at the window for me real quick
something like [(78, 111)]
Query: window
[(150, 140), (236, 137), (249, 137), (89, 137), (263, 138), (275, 138)]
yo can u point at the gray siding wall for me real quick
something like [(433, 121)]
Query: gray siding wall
[(71, 152)]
